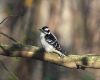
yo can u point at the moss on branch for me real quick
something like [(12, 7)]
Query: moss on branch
[(70, 61)]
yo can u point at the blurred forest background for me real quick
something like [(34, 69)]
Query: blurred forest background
[(76, 23)]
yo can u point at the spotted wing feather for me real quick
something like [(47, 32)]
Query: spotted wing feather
[(51, 39)]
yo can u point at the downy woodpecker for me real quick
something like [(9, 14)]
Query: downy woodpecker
[(49, 42)]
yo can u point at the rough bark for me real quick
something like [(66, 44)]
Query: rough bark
[(33, 52)]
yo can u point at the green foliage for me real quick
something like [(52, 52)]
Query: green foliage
[(12, 75), (10, 8), (49, 77), (88, 77), (16, 58)]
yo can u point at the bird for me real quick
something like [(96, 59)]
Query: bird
[(49, 41)]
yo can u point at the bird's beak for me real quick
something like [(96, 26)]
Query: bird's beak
[(41, 30)]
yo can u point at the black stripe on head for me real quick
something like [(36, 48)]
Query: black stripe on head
[(45, 28)]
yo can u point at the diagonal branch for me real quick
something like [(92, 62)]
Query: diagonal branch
[(70, 61)]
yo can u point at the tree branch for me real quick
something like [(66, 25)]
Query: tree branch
[(70, 61)]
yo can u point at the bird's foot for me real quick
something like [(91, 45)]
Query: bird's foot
[(61, 55)]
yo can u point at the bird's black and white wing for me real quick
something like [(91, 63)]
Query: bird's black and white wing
[(52, 40)]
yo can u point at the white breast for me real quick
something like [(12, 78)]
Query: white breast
[(45, 44)]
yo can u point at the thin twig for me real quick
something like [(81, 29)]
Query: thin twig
[(8, 37), (7, 18)]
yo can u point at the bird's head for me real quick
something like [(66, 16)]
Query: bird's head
[(45, 30)]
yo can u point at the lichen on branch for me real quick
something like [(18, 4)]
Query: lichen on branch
[(33, 52)]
